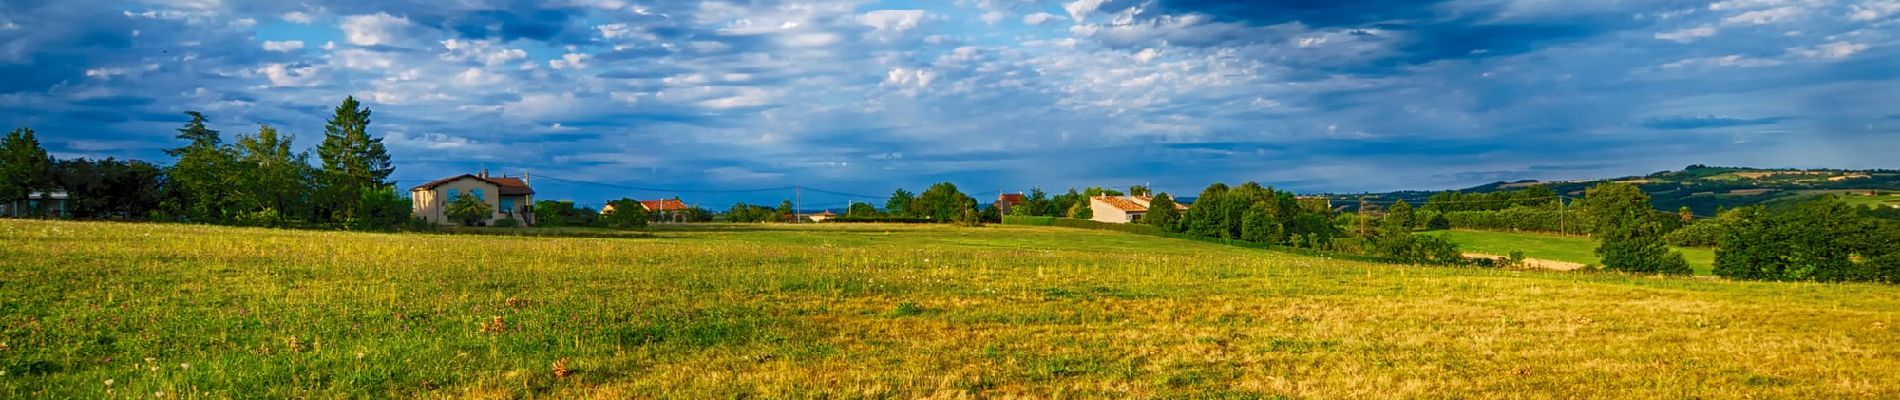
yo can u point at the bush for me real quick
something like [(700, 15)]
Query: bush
[(509, 222), (1541, 219), (879, 220), (1437, 222), (1704, 233), (1028, 220)]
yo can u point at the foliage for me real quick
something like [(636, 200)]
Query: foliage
[(110, 188), (24, 167), (941, 202), (1437, 222), (900, 203), (200, 186), (624, 214), (1817, 240), (1399, 218), (472, 211), (382, 209), (507, 222), (1567, 220), (742, 212), (1161, 213), (1419, 249), (862, 210), (1534, 196), (271, 180), (354, 162), (556, 213), (1620, 215)]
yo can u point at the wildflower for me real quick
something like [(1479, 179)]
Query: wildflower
[(184, 365), (108, 382), (560, 368), (494, 326)]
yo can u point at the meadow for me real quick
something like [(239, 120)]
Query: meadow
[(90, 309), (1581, 250)]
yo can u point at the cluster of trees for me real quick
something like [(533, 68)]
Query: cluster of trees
[(256, 180), (1074, 204), (1630, 231), (940, 202), (743, 212), (1817, 240), (1533, 196)]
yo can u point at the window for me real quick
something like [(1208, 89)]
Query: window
[(450, 197), (478, 194), (507, 206)]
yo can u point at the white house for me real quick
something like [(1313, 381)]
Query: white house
[(1122, 209), (509, 196)]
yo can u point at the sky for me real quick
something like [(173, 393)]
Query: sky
[(724, 101)]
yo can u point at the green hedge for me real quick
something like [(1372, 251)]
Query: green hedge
[(881, 220), (1031, 221)]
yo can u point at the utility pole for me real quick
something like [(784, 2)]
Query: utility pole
[(797, 203)]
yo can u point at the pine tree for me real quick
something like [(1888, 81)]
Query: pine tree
[(353, 161), (200, 185)]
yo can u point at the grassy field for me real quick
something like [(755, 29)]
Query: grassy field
[(1580, 250), (882, 311)]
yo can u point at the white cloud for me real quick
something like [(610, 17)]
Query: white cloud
[(570, 61), (283, 46), (1764, 17), (905, 77), (1834, 50), (289, 74), (361, 59), (894, 21), (376, 29), (1079, 9), (298, 17), (1039, 18), (1687, 35), (1146, 55), (487, 52), (1732, 60), (1874, 10), (811, 39), (992, 17)]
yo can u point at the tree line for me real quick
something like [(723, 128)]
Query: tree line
[(254, 181)]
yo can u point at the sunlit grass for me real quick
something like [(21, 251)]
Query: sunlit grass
[(1581, 250), (883, 311)]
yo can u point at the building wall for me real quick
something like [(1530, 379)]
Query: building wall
[(432, 205), (1103, 212)]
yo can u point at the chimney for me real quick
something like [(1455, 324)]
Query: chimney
[(483, 174)]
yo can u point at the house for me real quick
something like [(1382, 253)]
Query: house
[(511, 197), (668, 210), (1008, 201), (52, 204), (1122, 209), (820, 217)]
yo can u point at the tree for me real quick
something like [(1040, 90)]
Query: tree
[(1817, 240), (1140, 191), (1438, 222), (941, 202), (201, 187), (1038, 203), (1399, 219), (625, 214), (24, 167), (861, 210), (786, 212), (272, 181), (1259, 226), (472, 211), (554, 213), (353, 161), (1161, 213), (1631, 236), (899, 204), (969, 216), (109, 188), (1209, 216)]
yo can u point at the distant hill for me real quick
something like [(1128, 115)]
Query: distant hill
[(1703, 188)]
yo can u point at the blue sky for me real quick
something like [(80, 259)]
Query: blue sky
[(995, 95)]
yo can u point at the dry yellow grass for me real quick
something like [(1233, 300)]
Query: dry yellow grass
[(883, 311)]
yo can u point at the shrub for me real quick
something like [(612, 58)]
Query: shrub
[(509, 222), (1704, 233), (1437, 222)]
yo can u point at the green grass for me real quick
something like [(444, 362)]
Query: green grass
[(883, 311), (1581, 250)]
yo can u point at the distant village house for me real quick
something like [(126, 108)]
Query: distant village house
[(511, 197), (1008, 201), (52, 204), (1122, 209)]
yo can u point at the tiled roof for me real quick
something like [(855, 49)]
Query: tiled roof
[(1011, 198), (663, 205), (1122, 203), (509, 186)]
